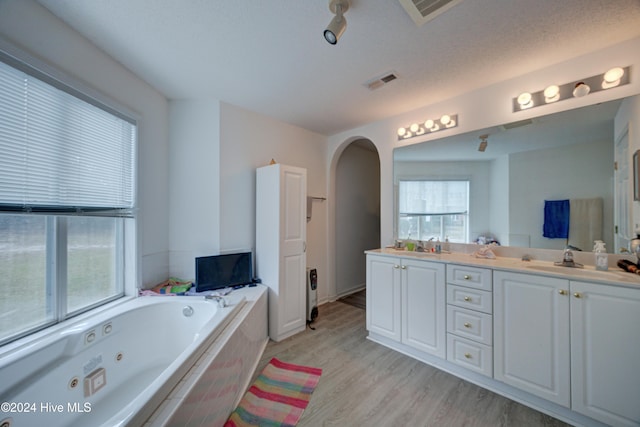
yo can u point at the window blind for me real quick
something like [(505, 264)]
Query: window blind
[(60, 153), (418, 198)]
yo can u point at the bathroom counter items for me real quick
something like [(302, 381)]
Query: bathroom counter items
[(614, 275)]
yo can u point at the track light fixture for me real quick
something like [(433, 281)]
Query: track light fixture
[(338, 24), (483, 143)]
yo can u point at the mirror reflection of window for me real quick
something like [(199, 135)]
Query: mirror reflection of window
[(435, 210)]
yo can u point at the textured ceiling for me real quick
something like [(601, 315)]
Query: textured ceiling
[(270, 56)]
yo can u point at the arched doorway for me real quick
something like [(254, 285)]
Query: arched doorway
[(357, 209)]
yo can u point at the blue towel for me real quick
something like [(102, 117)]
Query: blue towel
[(556, 219)]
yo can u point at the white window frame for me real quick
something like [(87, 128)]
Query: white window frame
[(127, 235), (443, 234)]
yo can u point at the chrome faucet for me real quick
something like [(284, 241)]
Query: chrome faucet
[(567, 260), (221, 301)]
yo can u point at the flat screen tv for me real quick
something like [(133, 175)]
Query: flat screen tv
[(221, 271)]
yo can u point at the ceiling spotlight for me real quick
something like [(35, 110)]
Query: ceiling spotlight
[(483, 143), (338, 24)]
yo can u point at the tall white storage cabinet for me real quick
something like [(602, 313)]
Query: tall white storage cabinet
[(281, 230)]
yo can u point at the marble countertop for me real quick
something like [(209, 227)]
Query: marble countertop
[(614, 275)]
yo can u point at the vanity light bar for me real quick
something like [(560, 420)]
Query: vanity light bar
[(614, 77), (446, 121)]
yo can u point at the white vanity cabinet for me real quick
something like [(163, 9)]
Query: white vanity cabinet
[(563, 343), (383, 296), (531, 334), (571, 342), (469, 318), (423, 306), (406, 302), (605, 350)]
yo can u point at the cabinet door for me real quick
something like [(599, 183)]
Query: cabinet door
[(293, 258), (531, 334), (423, 306), (383, 296), (605, 346)]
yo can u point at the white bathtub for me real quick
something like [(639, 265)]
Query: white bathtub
[(113, 368)]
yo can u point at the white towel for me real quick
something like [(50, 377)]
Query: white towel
[(585, 222)]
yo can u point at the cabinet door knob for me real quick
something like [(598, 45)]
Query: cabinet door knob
[(404, 267), (467, 355), (467, 324), (467, 299), (467, 277), (577, 294), (562, 292), (396, 266)]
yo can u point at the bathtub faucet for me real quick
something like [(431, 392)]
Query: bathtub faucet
[(221, 301)]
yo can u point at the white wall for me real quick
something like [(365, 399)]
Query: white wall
[(229, 143), (30, 27), (542, 175), (478, 174), (249, 140), (195, 183), (499, 197), (358, 218)]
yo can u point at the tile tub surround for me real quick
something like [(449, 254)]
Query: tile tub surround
[(212, 388)]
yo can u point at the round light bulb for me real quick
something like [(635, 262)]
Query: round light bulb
[(581, 89), (445, 119), (401, 131), (414, 128), (428, 124), (613, 74), (525, 100), (551, 93), (612, 78)]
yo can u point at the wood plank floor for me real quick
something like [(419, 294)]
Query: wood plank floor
[(366, 384)]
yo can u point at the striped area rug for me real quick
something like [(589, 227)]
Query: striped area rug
[(278, 397)]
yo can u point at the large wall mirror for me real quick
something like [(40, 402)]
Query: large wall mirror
[(525, 166)]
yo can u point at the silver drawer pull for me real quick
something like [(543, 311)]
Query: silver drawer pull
[(467, 324), (467, 299), (467, 277), (467, 355)]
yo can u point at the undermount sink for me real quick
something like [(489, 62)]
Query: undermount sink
[(582, 272)]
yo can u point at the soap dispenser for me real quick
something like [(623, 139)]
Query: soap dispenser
[(602, 259)]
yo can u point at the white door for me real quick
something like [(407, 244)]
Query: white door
[(623, 193), (605, 344), (531, 334), (293, 246), (383, 296), (423, 306)]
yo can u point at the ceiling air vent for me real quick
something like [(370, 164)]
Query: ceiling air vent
[(518, 124), (422, 11), (378, 82)]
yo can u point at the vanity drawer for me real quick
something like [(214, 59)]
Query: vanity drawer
[(470, 354), (470, 324), (474, 299), (473, 277)]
